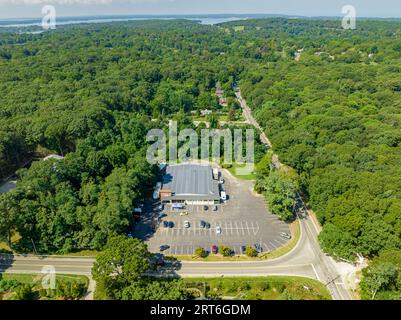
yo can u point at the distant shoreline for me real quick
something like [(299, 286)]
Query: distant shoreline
[(207, 19)]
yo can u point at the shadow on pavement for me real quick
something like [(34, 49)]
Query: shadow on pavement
[(6, 261)]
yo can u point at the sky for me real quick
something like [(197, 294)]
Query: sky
[(33, 8)]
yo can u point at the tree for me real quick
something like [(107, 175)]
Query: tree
[(8, 216), (337, 243), (226, 251), (251, 251), (280, 192), (24, 292), (156, 290), (380, 277), (200, 252), (123, 261)]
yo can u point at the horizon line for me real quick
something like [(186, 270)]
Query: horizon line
[(233, 15)]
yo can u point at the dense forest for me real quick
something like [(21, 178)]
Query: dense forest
[(330, 104), (329, 99)]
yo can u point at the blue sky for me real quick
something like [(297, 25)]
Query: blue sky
[(365, 8)]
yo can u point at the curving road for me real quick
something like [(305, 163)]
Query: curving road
[(306, 259)]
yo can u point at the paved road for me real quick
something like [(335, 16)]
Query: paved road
[(306, 259), (323, 265)]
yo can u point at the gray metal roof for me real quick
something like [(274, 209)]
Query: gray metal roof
[(191, 181)]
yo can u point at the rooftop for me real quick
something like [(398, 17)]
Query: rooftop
[(193, 181)]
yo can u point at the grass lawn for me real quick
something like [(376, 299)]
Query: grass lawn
[(35, 279), (260, 288), (82, 253), (233, 168)]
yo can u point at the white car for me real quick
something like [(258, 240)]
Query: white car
[(186, 224), (218, 229), (285, 235)]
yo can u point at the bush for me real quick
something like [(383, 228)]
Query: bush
[(5, 251), (70, 290), (24, 292), (226, 251), (251, 251), (201, 252), (6, 285)]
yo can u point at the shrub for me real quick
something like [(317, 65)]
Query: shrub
[(24, 292), (201, 252), (251, 251), (226, 251)]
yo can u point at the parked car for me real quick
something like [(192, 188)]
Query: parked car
[(202, 224), (214, 249), (258, 247), (243, 249), (165, 224), (215, 208), (184, 213), (207, 225), (164, 247), (285, 235), (205, 208), (171, 224), (218, 229), (186, 224)]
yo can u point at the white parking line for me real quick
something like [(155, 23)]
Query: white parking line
[(242, 228), (273, 245), (236, 226)]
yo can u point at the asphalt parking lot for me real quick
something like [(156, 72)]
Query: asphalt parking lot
[(243, 219)]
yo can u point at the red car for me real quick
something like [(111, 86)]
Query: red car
[(214, 249)]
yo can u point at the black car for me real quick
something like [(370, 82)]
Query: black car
[(215, 208), (243, 249), (164, 247), (205, 208), (166, 224), (258, 247), (171, 224), (207, 225), (202, 224)]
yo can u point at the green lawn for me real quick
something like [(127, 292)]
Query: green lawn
[(233, 168), (67, 287), (35, 279), (260, 288)]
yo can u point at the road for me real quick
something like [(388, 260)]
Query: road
[(324, 266), (306, 259)]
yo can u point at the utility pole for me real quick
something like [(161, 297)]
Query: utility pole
[(34, 247)]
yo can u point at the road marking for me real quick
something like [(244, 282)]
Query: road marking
[(314, 270), (273, 245)]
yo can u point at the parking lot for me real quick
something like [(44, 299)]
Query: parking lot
[(243, 220)]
